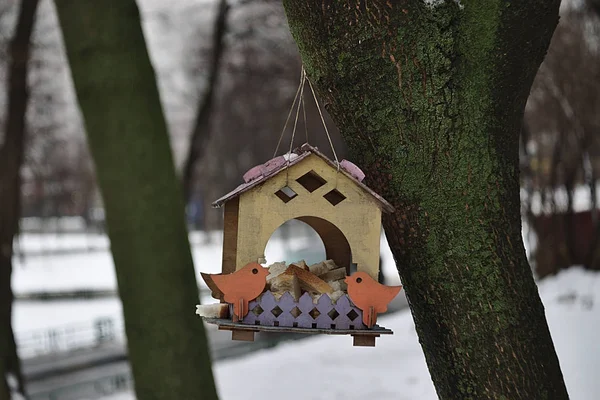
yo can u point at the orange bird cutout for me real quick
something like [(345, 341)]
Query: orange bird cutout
[(370, 296), (239, 287)]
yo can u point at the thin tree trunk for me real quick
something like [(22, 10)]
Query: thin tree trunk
[(127, 134), (11, 159), (201, 131), (429, 98)]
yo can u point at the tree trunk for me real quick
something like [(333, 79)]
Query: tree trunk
[(11, 159), (201, 130), (429, 99), (127, 133)]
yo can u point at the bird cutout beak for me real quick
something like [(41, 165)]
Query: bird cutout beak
[(346, 280)]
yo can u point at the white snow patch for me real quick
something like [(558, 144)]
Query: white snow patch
[(36, 316), (572, 301), (14, 387), (90, 271)]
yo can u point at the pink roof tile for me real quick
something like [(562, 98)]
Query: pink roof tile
[(260, 173)]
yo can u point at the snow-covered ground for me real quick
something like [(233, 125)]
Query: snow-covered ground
[(330, 368), (95, 270), (572, 301), (394, 369)]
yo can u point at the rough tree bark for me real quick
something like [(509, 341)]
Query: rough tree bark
[(11, 160), (201, 130), (429, 97), (127, 134)]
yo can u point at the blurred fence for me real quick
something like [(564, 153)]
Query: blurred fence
[(118, 381), (71, 337)]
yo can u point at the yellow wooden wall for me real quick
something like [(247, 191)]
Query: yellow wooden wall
[(358, 217)]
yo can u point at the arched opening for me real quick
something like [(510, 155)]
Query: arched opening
[(294, 241), (310, 238)]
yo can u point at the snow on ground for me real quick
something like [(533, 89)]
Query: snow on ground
[(394, 369), (31, 316), (330, 368), (572, 301), (86, 271), (82, 270), (46, 243), (14, 387), (52, 326)]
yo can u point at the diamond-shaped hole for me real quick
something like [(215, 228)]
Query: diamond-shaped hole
[(311, 181), (276, 311), (352, 315), (286, 194), (257, 310), (296, 312), (314, 313), (335, 197), (333, 314)]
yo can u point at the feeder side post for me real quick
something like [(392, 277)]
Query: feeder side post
[(230, 235)]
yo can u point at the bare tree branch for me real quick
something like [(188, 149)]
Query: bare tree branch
[(201, 129)]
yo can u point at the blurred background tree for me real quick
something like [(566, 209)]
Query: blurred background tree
[(118, 95), (560, 145), (12, 147)]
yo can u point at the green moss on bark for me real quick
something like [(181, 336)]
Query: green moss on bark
[(429, 100), (128, 139)]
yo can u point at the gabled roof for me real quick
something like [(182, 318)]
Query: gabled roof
[(261, 173)]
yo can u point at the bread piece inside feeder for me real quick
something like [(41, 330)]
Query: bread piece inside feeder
[(331, 198)]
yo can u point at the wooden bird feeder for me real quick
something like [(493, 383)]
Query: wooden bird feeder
[(307, 186)]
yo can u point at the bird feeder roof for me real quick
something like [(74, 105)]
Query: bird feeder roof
[(262, 173)]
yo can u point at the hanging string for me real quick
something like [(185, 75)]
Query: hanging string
[(303, 107), (299, 98), (290, 113), (324, 125), (302, 80)]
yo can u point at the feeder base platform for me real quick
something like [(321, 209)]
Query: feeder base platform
[(245, 332)]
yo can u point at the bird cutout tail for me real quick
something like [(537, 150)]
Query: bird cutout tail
[(394, 290), (370, 317), (215, 292)]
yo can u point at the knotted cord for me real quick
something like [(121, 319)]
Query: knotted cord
[(299, 99), (290, 113)]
